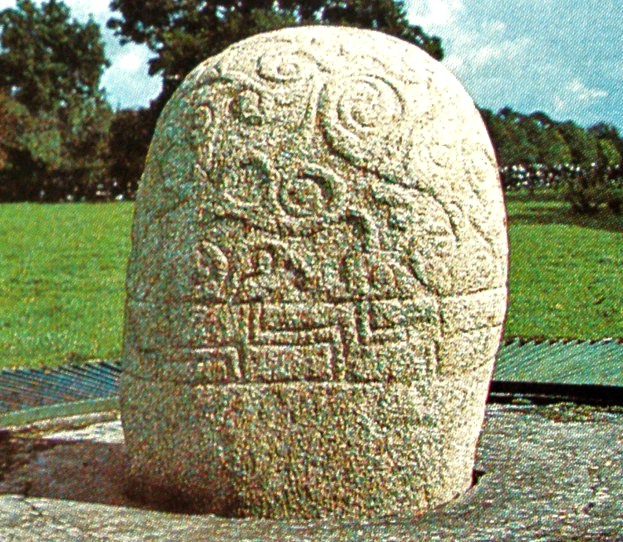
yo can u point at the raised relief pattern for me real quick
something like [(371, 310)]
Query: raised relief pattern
[(314, 266)]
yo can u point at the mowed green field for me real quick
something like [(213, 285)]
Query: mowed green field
[(566, 272), (62, 273), (62, 284)]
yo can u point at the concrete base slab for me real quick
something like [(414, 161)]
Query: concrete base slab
[(544, 472)]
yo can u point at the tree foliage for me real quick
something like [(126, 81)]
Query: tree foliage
[(537, 139), (9, 128), (610, 141), (536, 151), (50, 68), (47, 59), (130, 133)]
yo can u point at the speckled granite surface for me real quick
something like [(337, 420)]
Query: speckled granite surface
[(317, 282), (550, 473)]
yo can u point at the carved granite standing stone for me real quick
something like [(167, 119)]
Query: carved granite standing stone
[(317, 283)]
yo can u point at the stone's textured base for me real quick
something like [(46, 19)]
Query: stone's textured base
[(552, 472), (301, 450)]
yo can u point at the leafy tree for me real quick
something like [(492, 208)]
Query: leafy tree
[(592, 186), (608, 153), (27, 143), (583, 145), (182, 33), (538, 139), (555, 150), (604, 131), (46, 58), (542, 131), (609, 142), (51, 66), (510, 135), (9, 128), (130, 133), (502, 138)]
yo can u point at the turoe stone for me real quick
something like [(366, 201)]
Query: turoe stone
[(317, 283)]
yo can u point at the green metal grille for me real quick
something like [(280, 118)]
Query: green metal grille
[(561, 362)]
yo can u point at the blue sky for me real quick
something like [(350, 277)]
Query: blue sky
[(563, 57)]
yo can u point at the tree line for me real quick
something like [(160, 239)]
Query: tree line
[(585, 165), (61, 140)]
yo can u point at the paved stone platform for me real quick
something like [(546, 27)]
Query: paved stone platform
[(550, 472)]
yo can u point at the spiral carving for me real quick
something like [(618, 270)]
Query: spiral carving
[(313, 192), (359, 115), (286, 68), (362, 104), (368, 103)]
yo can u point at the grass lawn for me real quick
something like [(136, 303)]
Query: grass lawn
[(566, 272), (62, 277), (62, 281)]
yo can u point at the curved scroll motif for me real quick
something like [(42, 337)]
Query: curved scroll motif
[(368, 103), (220, 97), (286, 68), (247, 107), (360, 114), (245, 182), (212, 268), (314, 191), (271, 267), (201, 123)]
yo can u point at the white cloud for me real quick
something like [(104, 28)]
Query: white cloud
[(127, 81), (577, 95), (494, 27), (584, 93), (81, 9), (130, 62), (475, 55), (433, 13), (485, 54)]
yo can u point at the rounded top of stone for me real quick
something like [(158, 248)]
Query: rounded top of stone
[(374, 96)]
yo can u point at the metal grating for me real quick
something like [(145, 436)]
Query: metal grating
[(579, 363), (521, 367), (22, 389)]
